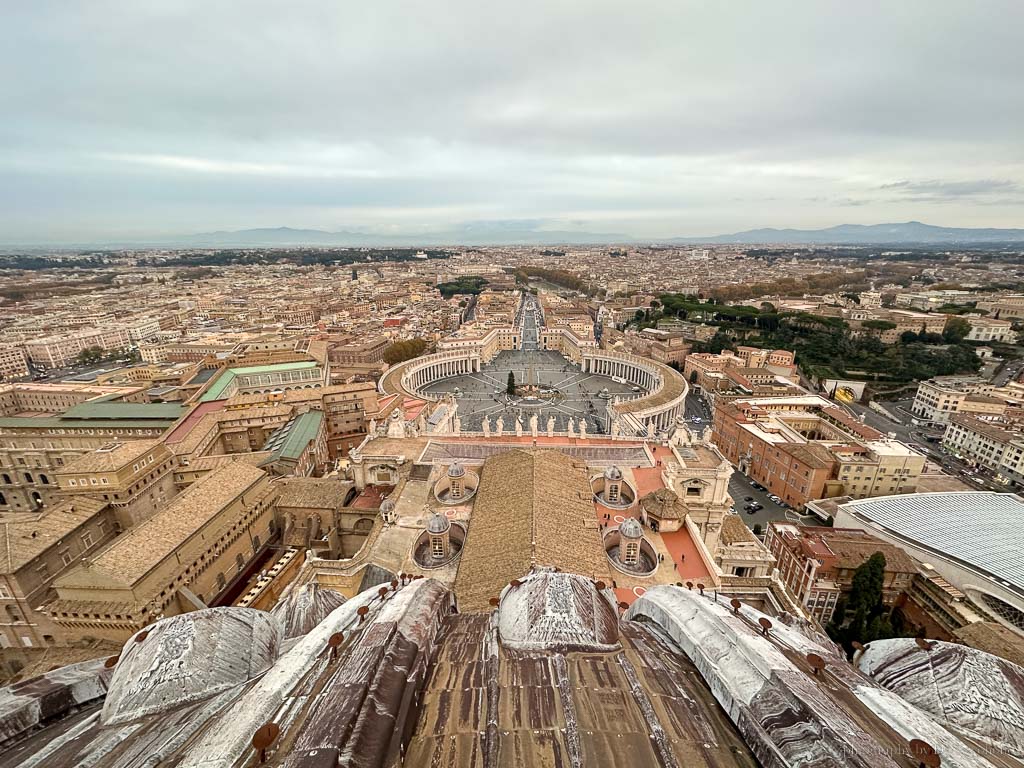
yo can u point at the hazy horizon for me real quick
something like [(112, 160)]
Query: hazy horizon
[(674, 119)]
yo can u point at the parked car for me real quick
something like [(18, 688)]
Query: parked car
[(774, 498), (748, 498)]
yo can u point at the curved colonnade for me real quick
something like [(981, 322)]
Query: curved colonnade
[(656, 410)]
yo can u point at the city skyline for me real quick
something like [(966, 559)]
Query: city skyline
[(672, 120)]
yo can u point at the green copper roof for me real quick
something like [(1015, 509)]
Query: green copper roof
[(289, 441), (217, 389)]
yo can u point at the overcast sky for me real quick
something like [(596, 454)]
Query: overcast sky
[(137, 119)]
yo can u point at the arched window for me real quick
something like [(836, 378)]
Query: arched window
[(3, 499), (7, 479), (28, 477), (44, 480), (37, 499)]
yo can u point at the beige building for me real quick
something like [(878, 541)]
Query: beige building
[(13, 363), (134, 477), (62, 349), (988, 329), (938, 399), (178, 560), (36, 549)]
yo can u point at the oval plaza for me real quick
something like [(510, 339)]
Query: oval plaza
[(561, 382)]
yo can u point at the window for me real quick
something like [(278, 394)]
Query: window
[(87, 539)]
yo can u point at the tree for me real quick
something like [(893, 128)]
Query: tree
[(864, 601), (91, 355), (757, 529), (908, 337), (693, 376), (956, 330), (510, 388), (407, 349)]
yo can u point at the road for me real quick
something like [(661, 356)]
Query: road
[(1008, 372)]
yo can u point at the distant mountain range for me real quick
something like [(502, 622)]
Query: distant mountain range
[(867, 234), (530, 232), (514, 233)]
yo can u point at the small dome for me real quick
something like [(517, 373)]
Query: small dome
[(631, 529), (438, 523), (613, 473), (456, 470), (387, 506)]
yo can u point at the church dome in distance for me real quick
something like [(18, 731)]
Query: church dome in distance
[(456, 470)]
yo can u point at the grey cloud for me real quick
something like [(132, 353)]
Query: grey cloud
[(653, 118), (954, 189)]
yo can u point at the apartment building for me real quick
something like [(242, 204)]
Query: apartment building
[(817, 564), (938, 399), (997, 447), (13, 363), (63, 349)]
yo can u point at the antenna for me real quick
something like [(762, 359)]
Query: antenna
[(765, 625), (265, 736), (362, 611), (736, 605)]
